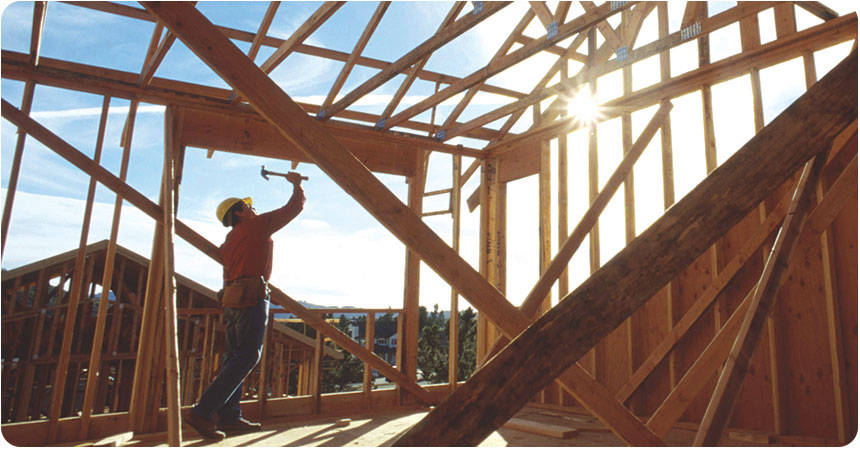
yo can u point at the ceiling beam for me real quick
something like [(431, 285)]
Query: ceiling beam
[(101, 81)]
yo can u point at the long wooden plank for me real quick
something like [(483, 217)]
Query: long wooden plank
[(101, 315), (342, 167), (732, 376), (148, 207), (102, 81), (559, 338), (542, 429), (430, 45), (172, 133), (305, 29)]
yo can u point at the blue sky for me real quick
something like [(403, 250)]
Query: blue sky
[(335, 253)]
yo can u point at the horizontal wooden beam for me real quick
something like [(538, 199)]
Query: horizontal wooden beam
[(615, 291), (102, 81)]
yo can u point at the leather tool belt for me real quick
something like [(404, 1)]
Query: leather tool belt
[(243, 292)]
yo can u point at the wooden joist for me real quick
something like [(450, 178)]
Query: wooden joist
[(563, 335)]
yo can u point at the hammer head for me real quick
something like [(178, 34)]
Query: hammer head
[(264, 173)]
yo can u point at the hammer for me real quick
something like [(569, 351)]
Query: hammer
[(265, 173)]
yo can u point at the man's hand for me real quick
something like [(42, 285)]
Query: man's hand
[(294, 177)]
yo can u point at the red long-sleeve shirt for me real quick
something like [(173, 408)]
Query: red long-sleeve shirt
[(247, 250)]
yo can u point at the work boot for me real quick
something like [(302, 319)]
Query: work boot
[(239, 426), (203, 426)]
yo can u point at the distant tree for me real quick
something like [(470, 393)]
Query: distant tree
[(346, 372), (433, 347), (467, 344)]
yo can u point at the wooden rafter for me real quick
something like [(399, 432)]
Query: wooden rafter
[(425, 48), (306, 29), (503, 50), (564, 31), (563, 335), (542, 12), (356, 52), (413, 72), (263, 29), (40, 10), (605, 29), (819, 10)]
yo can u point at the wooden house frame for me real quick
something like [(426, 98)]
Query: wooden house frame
[(708, 317)]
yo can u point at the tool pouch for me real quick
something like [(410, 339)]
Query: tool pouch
[(243, 292)]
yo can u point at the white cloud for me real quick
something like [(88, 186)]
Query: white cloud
[(88, 112)]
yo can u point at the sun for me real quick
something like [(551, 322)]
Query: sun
[(584, 107)]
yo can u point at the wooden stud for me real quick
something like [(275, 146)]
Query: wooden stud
[(93, 373), (369, 336), (319, 355), (173, 133), (454, 319), (40, 10)]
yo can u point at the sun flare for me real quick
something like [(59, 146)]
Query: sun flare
[(584, 106)]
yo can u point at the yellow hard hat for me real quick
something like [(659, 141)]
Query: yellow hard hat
[(221, 211)]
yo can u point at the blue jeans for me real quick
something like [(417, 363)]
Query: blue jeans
[(245, 331)]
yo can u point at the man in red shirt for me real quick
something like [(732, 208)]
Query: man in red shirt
[(247, 258)]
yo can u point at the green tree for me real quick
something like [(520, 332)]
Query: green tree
[(433, 347), (346, 372), (467, 344)]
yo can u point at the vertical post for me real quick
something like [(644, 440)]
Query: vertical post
[(369, 336), (319, 356), (263, 385), (594, 236), (489, 253), (841, 396), (408, 344), (173, 132), (668, 174), (629, 199), (544, 228), (93, 372), (26, 104), (454, 319)]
